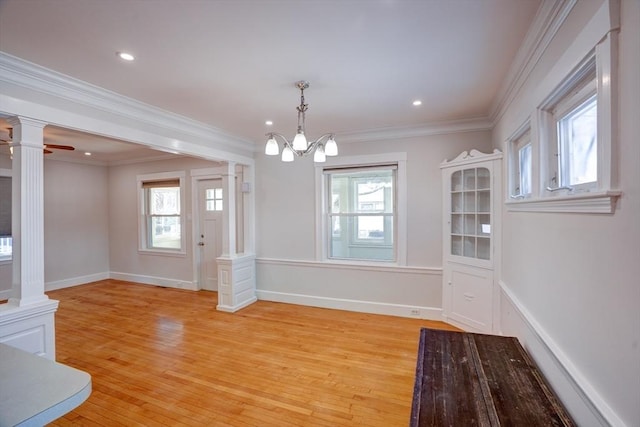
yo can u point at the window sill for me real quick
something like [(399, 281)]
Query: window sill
[(602, 202), (179, 254)]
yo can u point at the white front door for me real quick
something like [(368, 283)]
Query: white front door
[(209, 231)]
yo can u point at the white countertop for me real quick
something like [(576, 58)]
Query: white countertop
[(35, 391)]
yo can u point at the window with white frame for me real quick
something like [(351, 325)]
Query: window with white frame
[(161, 224), (361, 213), (571, 128), (573, 135), (521, 160), (6, 241), (361, 217)]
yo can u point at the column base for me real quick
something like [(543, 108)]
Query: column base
[(30, 327)]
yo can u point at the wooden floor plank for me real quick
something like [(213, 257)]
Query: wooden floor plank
[(163, 357)]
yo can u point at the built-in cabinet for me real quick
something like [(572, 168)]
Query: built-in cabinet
[(471, 194)]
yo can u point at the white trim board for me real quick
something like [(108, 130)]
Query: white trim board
[(583, 402), (154, 281), (428, 313), (351, 266), (75, 281)]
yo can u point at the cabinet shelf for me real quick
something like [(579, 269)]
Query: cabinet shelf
[(470, 213)]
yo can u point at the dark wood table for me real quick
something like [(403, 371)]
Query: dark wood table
[(467, 379)]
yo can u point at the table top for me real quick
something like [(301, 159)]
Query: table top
[(468, 379), (35, 391)]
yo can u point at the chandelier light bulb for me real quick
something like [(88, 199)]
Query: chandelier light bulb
[(300, 142), (287, 154), (319, 156), (271, 149), (331, 148)]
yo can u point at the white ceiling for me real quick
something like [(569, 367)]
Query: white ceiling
[(232, 64)]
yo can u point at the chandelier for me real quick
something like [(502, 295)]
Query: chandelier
[(300, 146)]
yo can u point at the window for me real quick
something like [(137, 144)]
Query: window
[(361, 213), (361, 216), (161, 213), (578, 145), (213, 198), (521, 163), (571, 125), (6, 242), (572, 152)]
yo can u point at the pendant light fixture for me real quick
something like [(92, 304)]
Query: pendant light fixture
[(300, 146)]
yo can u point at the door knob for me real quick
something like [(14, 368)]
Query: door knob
[(200, 243)]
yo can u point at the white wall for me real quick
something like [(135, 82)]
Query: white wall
[(571, 281), (126, 262), (285, 224), (76, 232)]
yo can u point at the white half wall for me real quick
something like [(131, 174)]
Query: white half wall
[(397, 291)]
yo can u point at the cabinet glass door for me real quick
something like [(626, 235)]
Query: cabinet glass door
[(471, 213)]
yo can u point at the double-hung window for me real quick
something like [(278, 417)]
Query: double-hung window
[(161, 223), (361, 214)]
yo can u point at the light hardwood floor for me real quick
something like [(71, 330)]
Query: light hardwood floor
[(166, 357)]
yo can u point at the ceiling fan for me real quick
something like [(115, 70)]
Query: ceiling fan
[(47, 147)]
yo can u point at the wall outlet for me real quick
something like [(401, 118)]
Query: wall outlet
[(414, 312)]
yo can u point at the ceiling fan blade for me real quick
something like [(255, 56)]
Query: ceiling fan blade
[(59, 147)]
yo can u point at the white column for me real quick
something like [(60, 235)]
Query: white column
[(236, 272), (27, 320), (229, 221), (27, 212)]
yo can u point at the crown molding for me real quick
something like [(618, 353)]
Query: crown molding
[(548, 20), (435, 128), (25, 74)]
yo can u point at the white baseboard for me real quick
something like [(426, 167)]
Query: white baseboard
[(152, 280), (75, 281), (233, 309), (416, 312), (581, 399)]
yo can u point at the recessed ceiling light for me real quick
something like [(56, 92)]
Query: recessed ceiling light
[(126, 56), (417, 102), (268, 123), (86, 153)]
